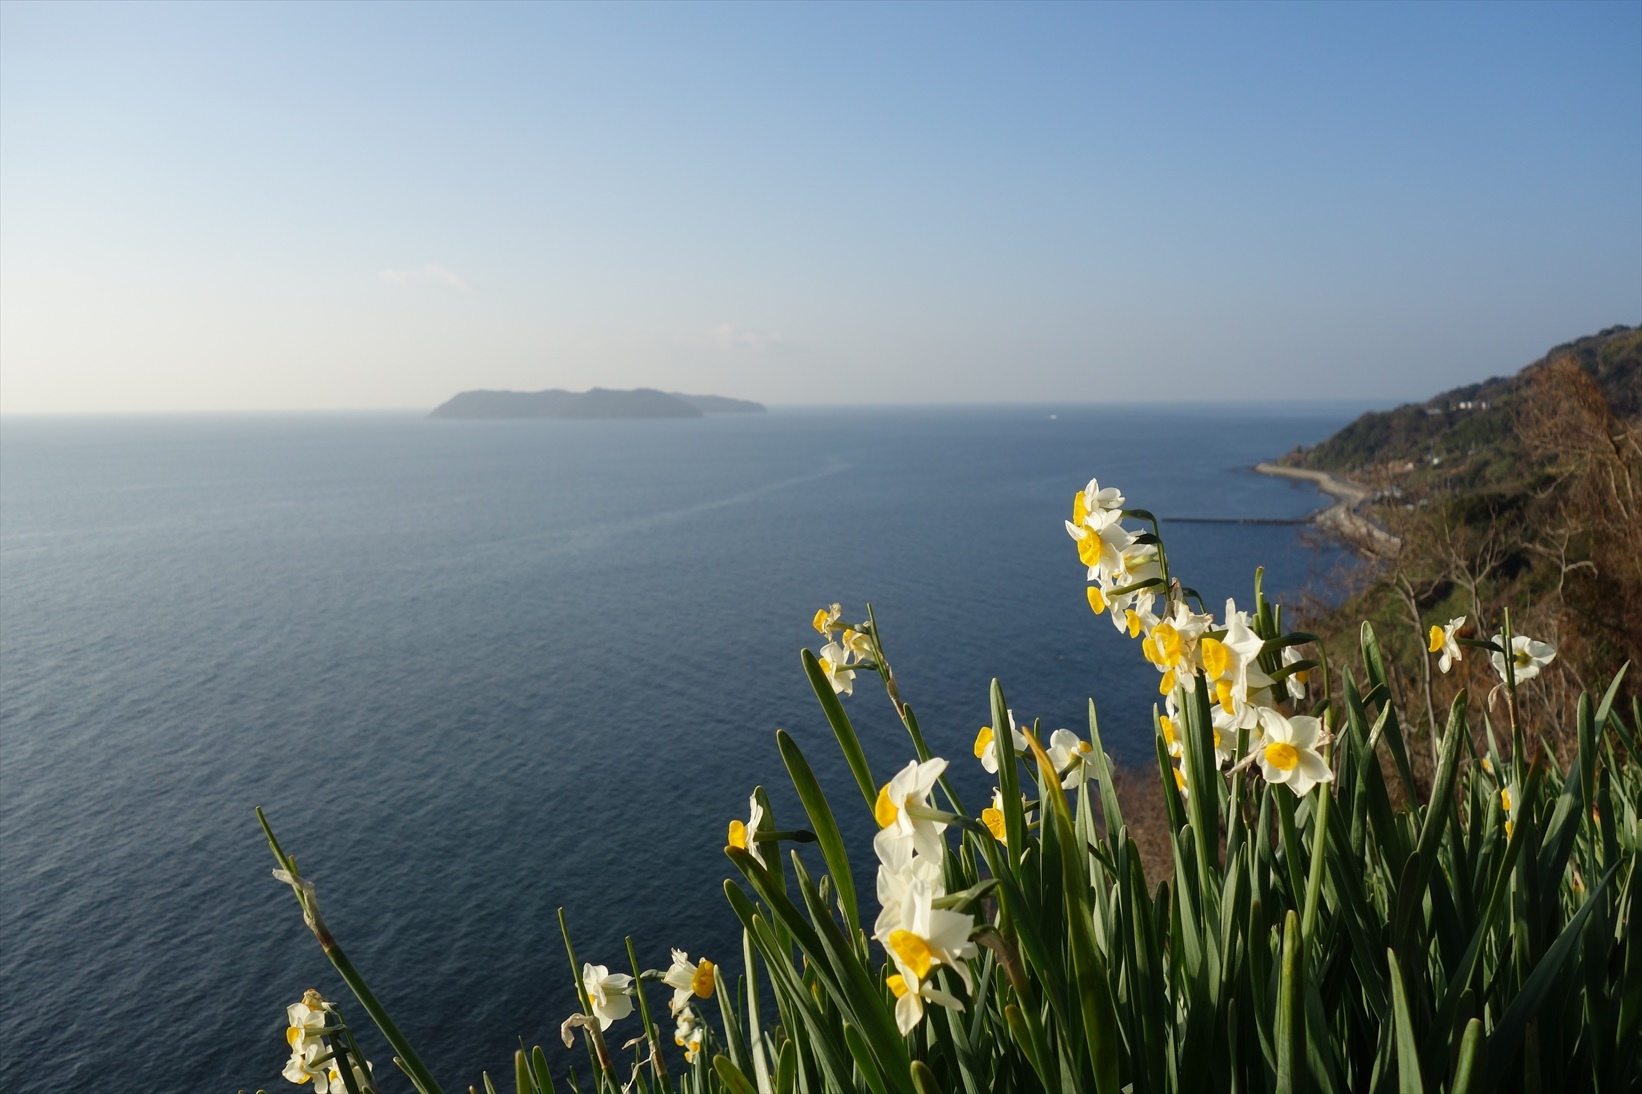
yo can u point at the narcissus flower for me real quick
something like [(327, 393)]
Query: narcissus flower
[(986, 746), (911, 786), (1093, 499), (826, 619), (688, 979), (1508, 801), (607, 993), (1442, 641), (1295, 681), (928, 936), (858, 643), (1073, 757), (911, 994), (898, 868), (689, 1033), (1231, 665), (1172, 646), (305, 1021), (1225, 728), (318, 1070), (1169, 729), (1288, 754), (1101, 540), (992, 817), (834, 660), (306, 1026), (1527, 657), (745, 836)]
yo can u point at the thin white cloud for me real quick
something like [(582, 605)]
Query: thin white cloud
[(429, 273), (728, 336)]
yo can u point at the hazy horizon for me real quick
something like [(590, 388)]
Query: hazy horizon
[(271, 208)]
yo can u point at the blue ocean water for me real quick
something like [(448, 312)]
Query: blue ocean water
[(476, 671)]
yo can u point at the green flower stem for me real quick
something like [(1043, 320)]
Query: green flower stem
[(595, 1036), (1319, 852), (406, 1055), (656, 1058)]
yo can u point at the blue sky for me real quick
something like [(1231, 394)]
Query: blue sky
[(347, 206)]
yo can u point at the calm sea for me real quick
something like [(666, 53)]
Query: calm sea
[(475, 671)]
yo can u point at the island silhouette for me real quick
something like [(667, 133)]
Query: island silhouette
[(598, 402)]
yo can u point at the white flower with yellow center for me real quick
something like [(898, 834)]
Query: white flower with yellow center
[(745, 836), (1295, 682), (857, 643), (1231, 666), (1508, 799), (899, 866), (1288, 753), (1101, 540), (1092, 499), (911, 994), (1073, 757), (362, 1078), (924, 936), (689, 1034), (688, 979), (1225, 728), (834, 660), (992, 817), (986, 746), (305, 1033), (1168, 725), (1527, 657), (826, 619), (1131, 611), (1442, 641), (305, 1021), (1171, 646), (607, 993), (912, 786)]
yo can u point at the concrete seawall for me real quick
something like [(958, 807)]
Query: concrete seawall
[(1341, 516)]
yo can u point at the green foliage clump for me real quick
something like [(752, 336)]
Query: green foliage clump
[(1327, 921)]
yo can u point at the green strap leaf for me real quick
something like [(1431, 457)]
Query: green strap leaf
[(825, 825), (1291, 1014), (731, 1076), (1408, 1051), (1467, 1072), (1507, 1036)]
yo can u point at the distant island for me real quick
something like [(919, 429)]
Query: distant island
[(599, 403)]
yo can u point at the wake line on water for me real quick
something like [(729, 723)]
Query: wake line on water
[(587, 537)]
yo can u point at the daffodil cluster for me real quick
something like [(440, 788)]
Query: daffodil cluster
[(1072, 757), (918, 936), (1129, 580), (843, 654), (312, 1031), (690, 980)]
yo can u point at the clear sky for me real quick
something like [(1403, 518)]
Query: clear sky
[(291, 206)]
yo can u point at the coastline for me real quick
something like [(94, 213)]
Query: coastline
[(1340, 516)]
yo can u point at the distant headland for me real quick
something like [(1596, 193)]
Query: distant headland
[(599, 402)]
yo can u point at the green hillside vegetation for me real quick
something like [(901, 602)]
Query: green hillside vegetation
[(1521, 492)]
